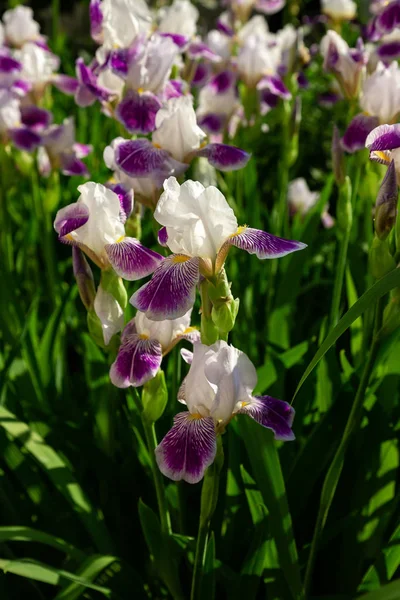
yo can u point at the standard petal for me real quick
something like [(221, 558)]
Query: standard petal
[(357, 132), (70, 218), (188, 448), (224, 157), (139, 158), (137, 112), (138, 361), (131, 260), (273, 414), (171, 291), (384, 137)]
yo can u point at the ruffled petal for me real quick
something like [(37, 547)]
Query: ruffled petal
[(273, 414), (171, 291), (131, 260), (224, 157), (138, 361), (188, 448), (137, 112)]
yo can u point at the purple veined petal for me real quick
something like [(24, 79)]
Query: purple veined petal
[(96, 21), (137, 112), (70, 218), (24, 138), (82, 150), (131, 260), (125, 196), (212, 122), (138, 361), (71, 165), (198, 50), (188, 448), (178, 39), (171, 291), (389, 18), (384, 137), (222, 82), (9, 65), (357, 132), (389, 51), (66, 84), (269, 7), (35, 118), (275, 86), (162, 236), (273, 414), (140, 158), (224, 157)]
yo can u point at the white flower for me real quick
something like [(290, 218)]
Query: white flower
[(210, 101), (380, 96), (152, 67), (219, 43), (38, 65), (176, 128), (181, 18), (110, 313), (257, 27), (300, 198), (163, 331), (2, 34), (256, 59), (220, 381), (123, 21), (10, 115), (19, 26), (339, 10), (198, 220)]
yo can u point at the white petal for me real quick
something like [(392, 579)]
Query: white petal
[(19, 25), (109, 312), (181, 17)]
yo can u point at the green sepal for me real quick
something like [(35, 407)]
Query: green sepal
[(154, 397), (113, 284)]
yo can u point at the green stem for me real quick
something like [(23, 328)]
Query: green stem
[(151, 439), (209, 498), (332, 477)]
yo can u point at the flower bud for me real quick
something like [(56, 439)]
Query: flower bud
[(95, 328), (154, 397), (338, 164), (114, 285), (84, 277), (381, 261), (224, 314), (386, 204)]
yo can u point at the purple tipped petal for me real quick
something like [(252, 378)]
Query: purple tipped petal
[(138, 361), (201, 74), (137, 112), (199, 50), (171, 292), (188, 448), (66, 84), (70, 218), (131, 260), (9, 65), (179, 40), (21, 87), (162, 236), (212, 123), (96, 20), (389, 51), (139, 158), (384, 137), (35, 118), (269, 7), (173, 89), (71, 165), (275, 86), (389, 18), (24, 138), (224, 157), (222, 82), (82, 150), (357, 132), (89, 80), (273, 414), (125, 199)]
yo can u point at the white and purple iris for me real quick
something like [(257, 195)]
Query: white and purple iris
[(95, 223), (219, 385), (199, 227), (383, 144), (143, 345)]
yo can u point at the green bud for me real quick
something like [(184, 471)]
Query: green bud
[(94, 327), (25, 163), (381, 261), (154, 397), (224, 314), (84, 277), (209, 332), (113, 284), (386, 204)]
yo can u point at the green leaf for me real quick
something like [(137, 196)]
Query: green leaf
[(386, 566), (207, 586), (387, 592), (27, 534), (379, 289), (155, 397), (89, 571)]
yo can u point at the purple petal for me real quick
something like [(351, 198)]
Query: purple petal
[(173, 89), (302, 81), (84, 97), (21, 87), (137, 112), (162, 236), (357, 132), (89, 80), (66, 84), (96, 20), (70, 217), (71, 165), (139, 158), (178, 39), (389, 51), (35, 118), (24, 138), (275, 86), (389, 18), (384, 137), (131, 260), (273, 414), (119, 61), (224, 157), (212, 122), (171, 292), (199, 50), (138, 361), (222, 82), (201, 74), (125, 196), (9, 65), (269, 7), (188, 448)]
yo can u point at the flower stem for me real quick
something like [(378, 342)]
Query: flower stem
[(334, 472), (209, 498)]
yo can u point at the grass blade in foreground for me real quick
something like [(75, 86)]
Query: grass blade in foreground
[(387, 592)]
